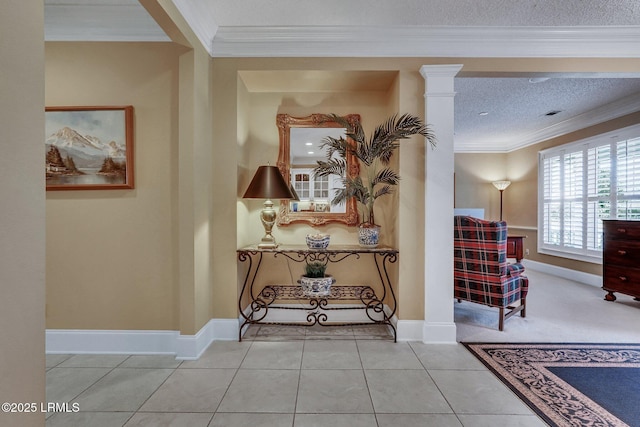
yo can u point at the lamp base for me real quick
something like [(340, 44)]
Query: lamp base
[(267, 245)]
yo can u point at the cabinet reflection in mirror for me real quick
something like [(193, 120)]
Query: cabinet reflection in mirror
[(300, 148)]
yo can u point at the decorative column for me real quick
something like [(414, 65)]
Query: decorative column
[(439, 168)]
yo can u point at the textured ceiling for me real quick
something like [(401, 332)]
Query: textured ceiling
[(516, 109), (425, 12)]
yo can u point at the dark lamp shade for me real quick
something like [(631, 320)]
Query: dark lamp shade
[(268, 183)]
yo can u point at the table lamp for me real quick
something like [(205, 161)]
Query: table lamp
[(268, 184)]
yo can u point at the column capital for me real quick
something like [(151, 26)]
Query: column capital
[(447, 70)]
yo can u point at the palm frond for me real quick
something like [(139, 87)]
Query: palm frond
[(387, 189), (335, 145), (332, 166), (386, 176), (384, 139)]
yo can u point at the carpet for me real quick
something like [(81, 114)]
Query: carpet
[(570, 384)]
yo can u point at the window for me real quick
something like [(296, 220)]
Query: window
[(582, 183)]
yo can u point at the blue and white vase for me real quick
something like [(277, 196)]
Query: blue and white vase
[(316, 286), (369, 235)]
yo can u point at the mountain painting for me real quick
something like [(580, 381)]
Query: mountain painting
[(88, 148)]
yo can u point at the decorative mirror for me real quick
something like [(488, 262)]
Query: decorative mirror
[(300, 141)]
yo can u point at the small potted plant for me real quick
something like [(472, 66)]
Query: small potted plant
[(374, 154), (315, 281)]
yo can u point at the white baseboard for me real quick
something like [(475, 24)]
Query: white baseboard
[(184, 347), (565, 273), (438, 333), (409, 330)]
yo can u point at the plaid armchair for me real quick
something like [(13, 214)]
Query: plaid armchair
[(481, 272)]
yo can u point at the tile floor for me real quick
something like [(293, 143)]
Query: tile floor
[(302, 377)]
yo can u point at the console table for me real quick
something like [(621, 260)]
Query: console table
[(271, 296)]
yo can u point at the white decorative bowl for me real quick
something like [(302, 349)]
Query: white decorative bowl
[(318, 241)]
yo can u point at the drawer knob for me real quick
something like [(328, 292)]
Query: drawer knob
[(623, 278), (621, 252), (622, 230)]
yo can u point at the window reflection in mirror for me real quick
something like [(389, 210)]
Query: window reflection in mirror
[(300, 148), (306, 149)]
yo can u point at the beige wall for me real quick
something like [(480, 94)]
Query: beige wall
[(173, 239), (22, 220), (111, 254)]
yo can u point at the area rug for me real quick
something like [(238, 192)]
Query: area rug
[(570, 384)]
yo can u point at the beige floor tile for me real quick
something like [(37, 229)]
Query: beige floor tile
[(123, 389), (443, 356), (249, 420), (151, 361), (274, 355), (501, 420), (410, 420), (220, 354), (333, 392), (331, 355), (190, 390), (53, 360), (152, 419), (262, 391), (65, 384), (405, 392), (92, 419), (387, 355), (477, 392), (335, 420), (94, 361)]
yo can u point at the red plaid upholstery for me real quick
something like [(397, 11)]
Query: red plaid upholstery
[(481, 272)]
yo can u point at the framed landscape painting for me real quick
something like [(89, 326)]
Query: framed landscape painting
[(89, 148)]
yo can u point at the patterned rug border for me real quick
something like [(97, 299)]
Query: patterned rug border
[(523, 368)]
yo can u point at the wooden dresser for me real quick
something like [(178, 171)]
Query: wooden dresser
[(621, 258)]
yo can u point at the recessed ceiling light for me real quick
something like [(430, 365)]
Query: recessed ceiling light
[(483, 113), (538, 79), (310, 152), (308, 143)]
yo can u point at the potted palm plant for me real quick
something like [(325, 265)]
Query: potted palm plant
[(376, 177)]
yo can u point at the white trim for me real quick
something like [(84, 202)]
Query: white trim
[(201, 20), (439, 333), (409, 330), (565, 273), (523, 227), (185, 347), (425, 41)]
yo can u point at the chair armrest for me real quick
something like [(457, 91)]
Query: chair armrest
[(515, 269)]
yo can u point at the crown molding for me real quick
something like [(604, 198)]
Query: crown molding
[(624, 106), (200, 19), (417, 41)]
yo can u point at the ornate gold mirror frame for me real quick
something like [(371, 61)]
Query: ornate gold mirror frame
[(314, 213)]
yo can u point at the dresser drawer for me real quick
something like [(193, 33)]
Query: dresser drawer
[(620, 230), (622, 279), (622, 252)]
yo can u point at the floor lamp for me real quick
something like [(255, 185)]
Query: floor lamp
[(501, 185)]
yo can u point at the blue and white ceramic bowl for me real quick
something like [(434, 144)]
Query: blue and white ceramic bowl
[(318, 241)]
